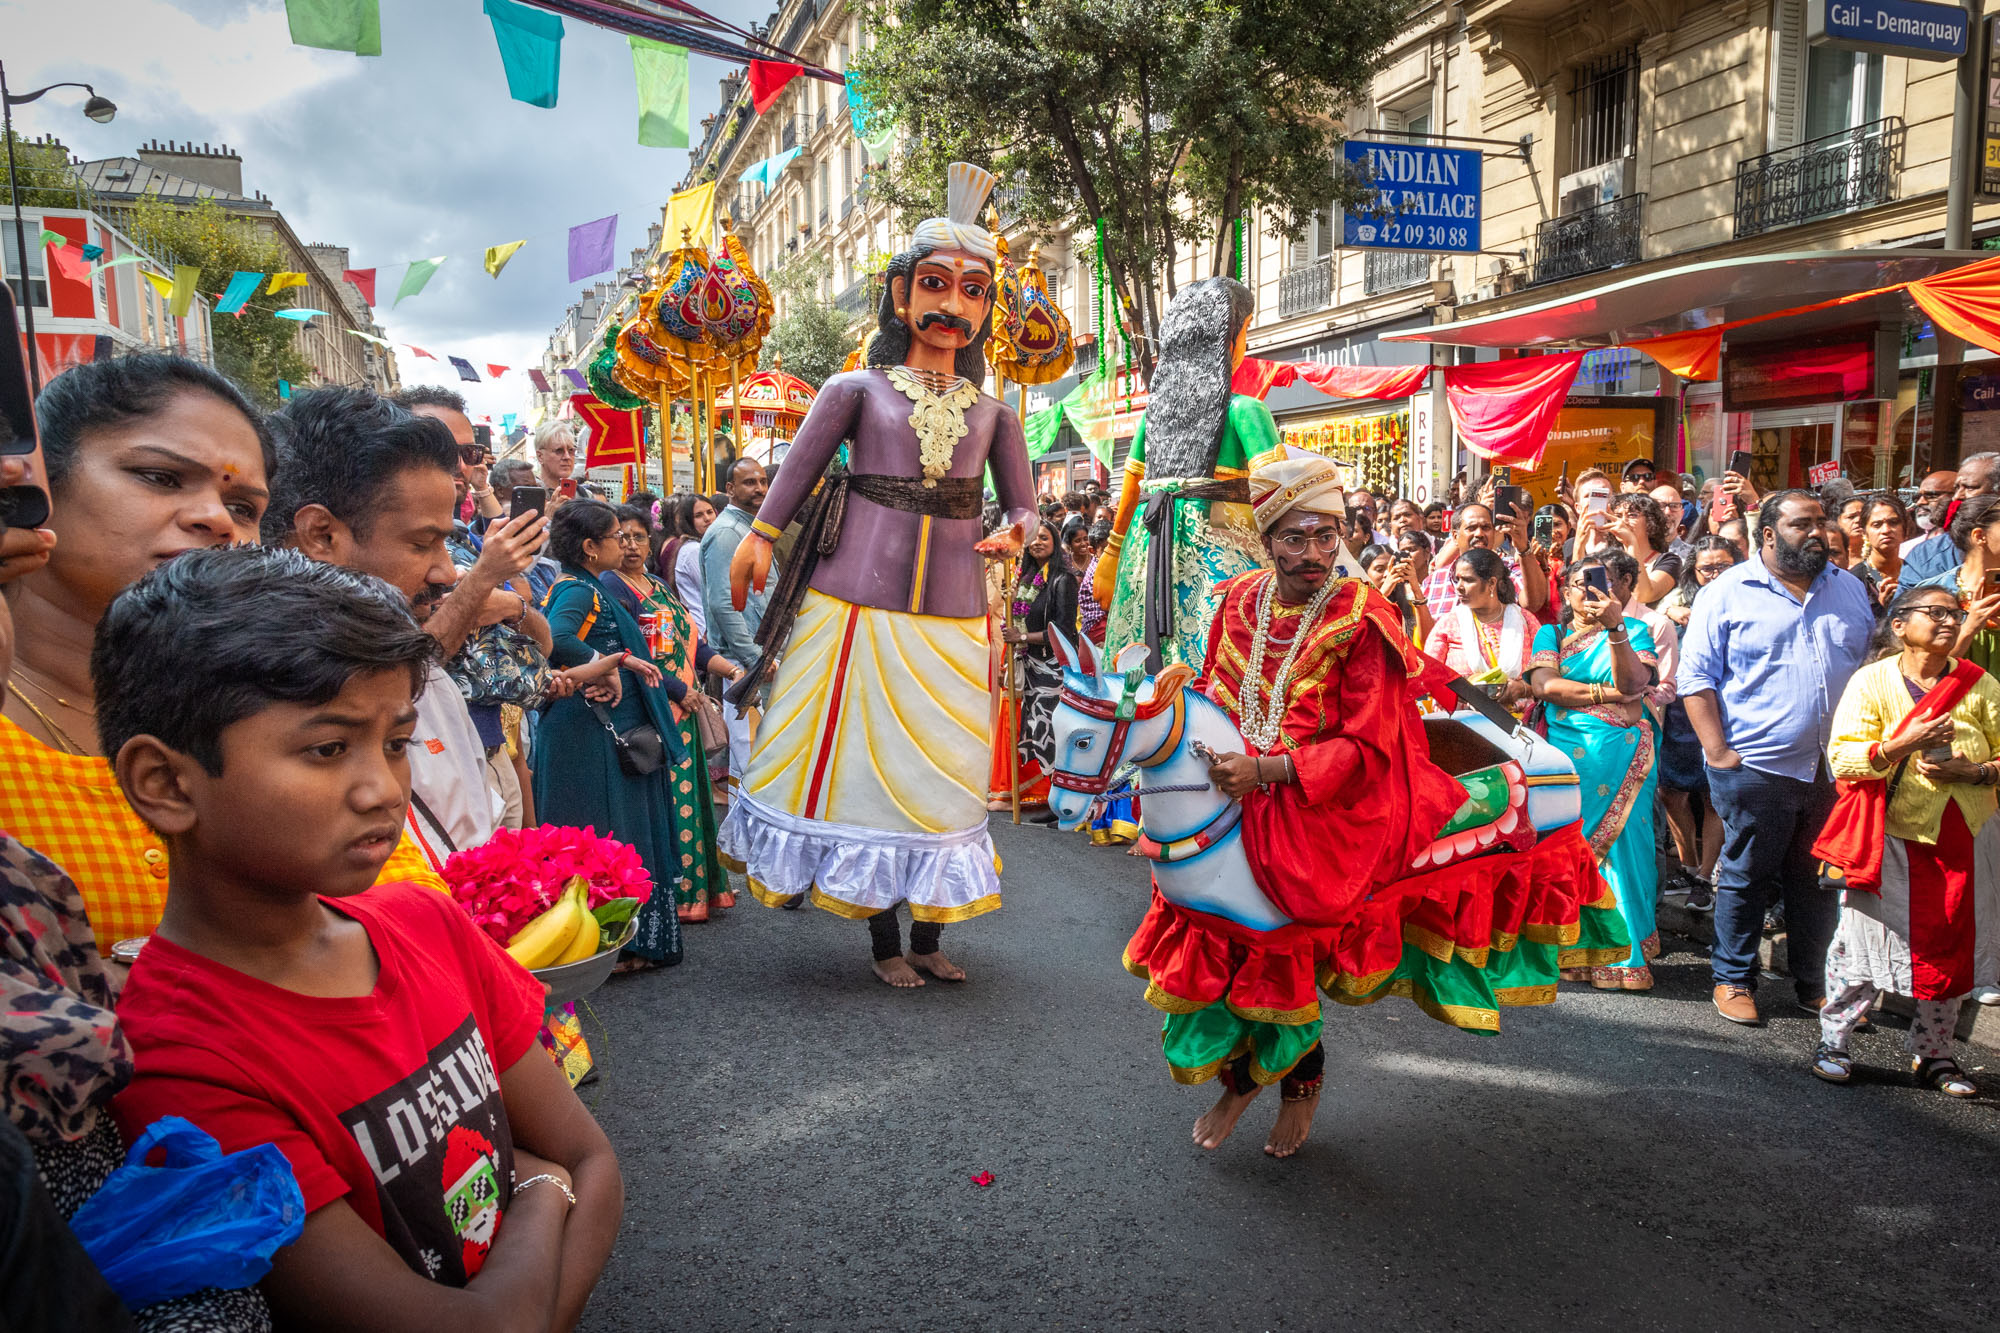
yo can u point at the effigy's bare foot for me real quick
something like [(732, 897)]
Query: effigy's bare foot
[(1220, 1120), (897, 973), (1295, 1120), (938, 966)]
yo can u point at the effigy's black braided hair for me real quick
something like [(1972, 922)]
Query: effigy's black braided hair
[(891, 344)]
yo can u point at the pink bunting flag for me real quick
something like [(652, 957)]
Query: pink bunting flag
[(420, 351), (363, 280)]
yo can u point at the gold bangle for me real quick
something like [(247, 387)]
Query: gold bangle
[(1115, 542), (765, 530)]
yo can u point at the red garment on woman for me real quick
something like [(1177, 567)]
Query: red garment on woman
[(1368, 798), (1942, 928)]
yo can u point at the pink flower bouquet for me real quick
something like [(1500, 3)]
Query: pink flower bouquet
[(518, 874)]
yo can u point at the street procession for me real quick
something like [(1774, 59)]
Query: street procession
[(876, 664)]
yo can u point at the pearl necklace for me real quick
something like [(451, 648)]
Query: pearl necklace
[(1260, 723)]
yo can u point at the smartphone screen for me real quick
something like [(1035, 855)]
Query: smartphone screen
[(1937, 754), (1545, 527), (1596, 504), (531, 497), (1598, 577), (1739, 463)]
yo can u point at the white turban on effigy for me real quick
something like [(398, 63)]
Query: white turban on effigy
[(1282, 485), (959, 229)]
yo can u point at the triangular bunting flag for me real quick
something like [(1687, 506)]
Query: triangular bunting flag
[(415, 276), (767, 172), (93, 253), (369, 337), (161, 284), (69, 263), (498, 255), (660, 72), (122, 259), (693, 209), (301, 314), (336, 25), (363, 280), (530, 50), (53, 237), (591, 248), (464, 369), (420, 351), (280, 281), (494, 372), (540, 381), (768, 78), (180, 298), (242, 286), (575, 377)]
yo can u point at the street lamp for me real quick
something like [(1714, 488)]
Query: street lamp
[(99, 109)]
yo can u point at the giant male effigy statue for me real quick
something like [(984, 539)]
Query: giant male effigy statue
[(1182, 525), (1310, 830), (866, 785)]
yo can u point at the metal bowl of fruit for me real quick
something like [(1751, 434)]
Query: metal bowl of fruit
[(572, 947), (573, 981)]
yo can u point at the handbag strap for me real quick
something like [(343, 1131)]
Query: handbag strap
[(444, 835), (605, 717)]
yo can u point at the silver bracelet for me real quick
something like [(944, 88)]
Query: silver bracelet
[(567, 1192)]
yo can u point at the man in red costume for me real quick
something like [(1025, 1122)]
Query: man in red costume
[(1339, 794)]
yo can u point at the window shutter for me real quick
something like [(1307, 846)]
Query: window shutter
[(1322, 234), (1788, 72), (1299, 253)]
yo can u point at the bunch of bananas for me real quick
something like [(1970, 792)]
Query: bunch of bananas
[(565, 933)]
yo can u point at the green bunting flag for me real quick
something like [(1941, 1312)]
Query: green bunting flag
[(337, 25), (661, 73), (415, 276)]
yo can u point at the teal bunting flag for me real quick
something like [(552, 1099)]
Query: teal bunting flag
[(336, 25), (660, 72), (530, 43), (302, 314), (767, 172), (284, 390), (242, 286), (883, 138), (414, 277)]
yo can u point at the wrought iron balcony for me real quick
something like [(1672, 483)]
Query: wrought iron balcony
[(1820, 178), (789, 138), (1393, 270), (1008, 199), (1086, 359), (1603, 236), (1308, 287), (858, 299)]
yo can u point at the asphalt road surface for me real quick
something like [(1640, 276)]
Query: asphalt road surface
[(799, 1140)]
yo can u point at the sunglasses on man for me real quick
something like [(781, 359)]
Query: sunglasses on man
[(472, 453)]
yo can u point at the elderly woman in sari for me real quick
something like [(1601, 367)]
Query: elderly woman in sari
[(1591, 670), (1916, 736)]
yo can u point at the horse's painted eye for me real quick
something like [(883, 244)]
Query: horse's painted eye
[(1083, 742)]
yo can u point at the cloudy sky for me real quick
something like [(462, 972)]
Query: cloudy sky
[(414, 153)]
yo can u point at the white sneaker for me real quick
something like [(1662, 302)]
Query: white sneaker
[(1986, 995)]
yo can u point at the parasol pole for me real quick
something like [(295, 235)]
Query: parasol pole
[(1010, 671), (708, 417), (736, 407)]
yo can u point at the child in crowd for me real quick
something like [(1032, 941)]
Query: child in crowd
[(256, 706)]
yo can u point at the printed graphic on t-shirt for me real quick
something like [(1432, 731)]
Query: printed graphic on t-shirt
[(442, 1154)]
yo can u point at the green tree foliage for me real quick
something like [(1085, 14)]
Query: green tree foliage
[(45, 177), (1168, 119), (255, 350), (812, 334)]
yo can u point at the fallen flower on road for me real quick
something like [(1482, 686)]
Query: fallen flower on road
[(983, 1179)]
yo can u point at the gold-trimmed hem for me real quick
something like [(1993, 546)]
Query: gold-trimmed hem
[(852, 911), (1286, 1018), (1592, 957), (1168, 1003), (765, 895), (946, 916), (731, 864), (1515, 997), (1136, 968), (1560, 934)]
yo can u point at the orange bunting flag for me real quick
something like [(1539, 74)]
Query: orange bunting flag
[(495, 372)]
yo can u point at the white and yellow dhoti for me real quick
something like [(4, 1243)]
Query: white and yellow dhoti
[(866, 782)]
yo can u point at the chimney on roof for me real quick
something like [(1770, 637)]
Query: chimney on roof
[(220, 168)]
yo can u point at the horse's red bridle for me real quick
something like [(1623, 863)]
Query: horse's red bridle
[(1096, 784)]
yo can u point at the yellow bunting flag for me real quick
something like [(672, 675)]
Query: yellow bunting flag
[(498, 255), (280, 281), (693, 209), (161, 283), (180, 297)]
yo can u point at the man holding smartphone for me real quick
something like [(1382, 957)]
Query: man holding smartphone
[(1768, 651)]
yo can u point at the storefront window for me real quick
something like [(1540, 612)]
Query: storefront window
[(1370, 449)]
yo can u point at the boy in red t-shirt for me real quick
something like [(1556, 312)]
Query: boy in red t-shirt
[(256, 706)]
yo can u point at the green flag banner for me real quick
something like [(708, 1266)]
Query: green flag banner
[(1087, 411), (337, 25), (661, 73), (414, 277)]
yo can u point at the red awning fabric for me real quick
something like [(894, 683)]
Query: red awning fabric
[(1504, 410), (768, 78), (1257, 377)]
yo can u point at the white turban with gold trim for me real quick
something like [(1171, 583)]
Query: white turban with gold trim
[(965, 194), (1298, 482)]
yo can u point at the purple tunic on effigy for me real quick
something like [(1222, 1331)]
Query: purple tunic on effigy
[(867, 780)]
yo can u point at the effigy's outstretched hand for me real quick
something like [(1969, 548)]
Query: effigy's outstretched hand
[(748, 569)]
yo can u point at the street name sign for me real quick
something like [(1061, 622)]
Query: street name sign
[(1913, 28), (1426, 198)]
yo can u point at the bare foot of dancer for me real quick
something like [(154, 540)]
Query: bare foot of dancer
[(1295, 1120), (1214, 1127), (897, 973), (938, 966)]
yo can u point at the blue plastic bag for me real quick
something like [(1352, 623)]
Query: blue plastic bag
[(204, 1219)]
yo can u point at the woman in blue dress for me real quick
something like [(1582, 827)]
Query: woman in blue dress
[(578, 780), (1590, 671)]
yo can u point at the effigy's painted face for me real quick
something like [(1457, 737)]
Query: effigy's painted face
[(947, 299)]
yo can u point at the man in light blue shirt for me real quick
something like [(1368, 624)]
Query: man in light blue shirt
[(1768, 651), (728, 631)]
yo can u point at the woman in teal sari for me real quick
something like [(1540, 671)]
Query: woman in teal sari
[(578, 780), (1590, 671)]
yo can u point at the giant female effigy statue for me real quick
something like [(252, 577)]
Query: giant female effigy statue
[(866, 784)]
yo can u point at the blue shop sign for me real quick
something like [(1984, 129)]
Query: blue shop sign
[(1979, 393), (1426, 198), (1913, 28)]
